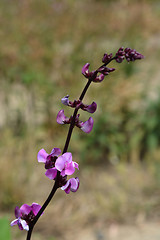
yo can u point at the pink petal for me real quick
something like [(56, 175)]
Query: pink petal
[(76, 165), (25, 209), (14, 222), (69, 169), (67, 156), (74, 184), (24, 225), (42, 155), (61, 117), (35, 208), (60, 163), (55, 152), (88, 125), (16, 212), (66, 187), (85, 69), (91, 108), (51, 173)]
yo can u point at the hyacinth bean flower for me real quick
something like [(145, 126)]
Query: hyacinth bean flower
[(61, 118), (90, 108), (25, 215), (48, 159), (120, 55), (86, 72), (86, 126), (71, 185), (132, 54), (129, 54), (106, 58), (65, 165), (77, 103), (105, 70)]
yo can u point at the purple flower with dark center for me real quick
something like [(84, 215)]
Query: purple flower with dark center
[(105, 70), (106, 58), (48, 159), (25, 215), (65, 165), (61, 118), (86, 126), (87, 73), (132, 54), (71, 185)]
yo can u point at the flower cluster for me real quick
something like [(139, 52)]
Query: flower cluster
[(63, 164), (128, 53), (25, 215), (98, 75), (58, 166), (84, 126)]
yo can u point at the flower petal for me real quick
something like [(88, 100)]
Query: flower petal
[(71, 185), (91, 108), (74, 184), (55, 152), (42, 155), (51, 173), (85, 69), (88, 125), (61, 117), (67, 156), (76, 165), (25, 209), (66, 187), (60, 163), (14, 222), (24, 225), (35, 208), (69, 169), (16, 212), (65, 100)]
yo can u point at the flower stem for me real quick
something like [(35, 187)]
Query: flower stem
[(56, 186)]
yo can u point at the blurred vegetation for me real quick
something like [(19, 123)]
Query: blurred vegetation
[(43, 46)]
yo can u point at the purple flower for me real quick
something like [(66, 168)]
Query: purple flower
[(65, 165), (25, 215), (90, 108), (120, 55), (65, 100), (61, 118), (105, 70), (99, 78), (106, 58), (48, 159), (132, 54), (51, 173), (86, 126), (78, 103), (71, 185), (86, 73)]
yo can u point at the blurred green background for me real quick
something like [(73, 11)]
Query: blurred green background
[(43, 46)]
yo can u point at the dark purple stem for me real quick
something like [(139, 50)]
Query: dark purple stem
[(56, 186)]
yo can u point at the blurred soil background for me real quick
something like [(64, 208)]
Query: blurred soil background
[(43, 46)]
